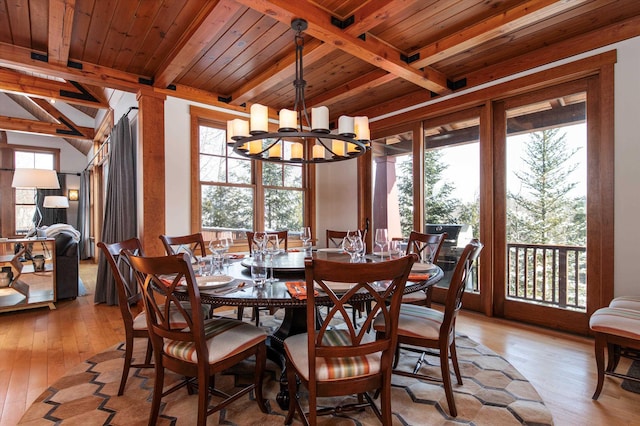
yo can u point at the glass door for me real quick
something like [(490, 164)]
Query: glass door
[(544, 195), (452, 192)]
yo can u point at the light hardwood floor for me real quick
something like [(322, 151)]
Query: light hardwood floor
[(38, 346)]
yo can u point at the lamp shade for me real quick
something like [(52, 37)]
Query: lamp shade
[(55, 202), (35, 178)]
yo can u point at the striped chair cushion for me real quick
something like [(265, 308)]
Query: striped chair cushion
[(140, 321), (415, 321), (616, 321), (225, 337), (330, 368), (626, 302)]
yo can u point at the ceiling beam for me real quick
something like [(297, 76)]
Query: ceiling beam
[(352, 88), (44, 111), (60, 25), (22, 125), (84, 72), (366, 17), (493, 27), (207, 27), (282, 70), (370, 50), (15, 82)]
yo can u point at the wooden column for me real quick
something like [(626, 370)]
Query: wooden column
[(151, 164)]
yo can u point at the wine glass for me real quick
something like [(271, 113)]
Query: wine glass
[(352, 244), (217, 250), (272, 248), (226, 241), (305, 236), (260, 240), (381, 239)]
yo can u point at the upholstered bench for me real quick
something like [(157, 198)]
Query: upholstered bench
[(626, 302), (617, 330)]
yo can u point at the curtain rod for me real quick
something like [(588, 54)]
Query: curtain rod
[(126, 114)]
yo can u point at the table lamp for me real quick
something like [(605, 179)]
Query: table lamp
[(35, 179), (55, 202)]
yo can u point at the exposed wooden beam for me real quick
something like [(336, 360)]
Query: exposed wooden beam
[(283, 69), (15, 82), (50, 129), (47, 110), (495, 26), (26, 59), (370, 50), (353, 88), (60, 26), (197, 95), (366, 17), (206, 28)]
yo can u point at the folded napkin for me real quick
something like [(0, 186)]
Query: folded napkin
[(235, 256), (418, 277), (298, 289), (294, 251)]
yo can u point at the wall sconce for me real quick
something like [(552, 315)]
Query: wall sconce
[(73, 195)]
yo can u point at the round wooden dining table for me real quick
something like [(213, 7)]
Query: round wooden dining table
[(289, 267)]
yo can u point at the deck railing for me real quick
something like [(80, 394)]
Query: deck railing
[(548, 274)]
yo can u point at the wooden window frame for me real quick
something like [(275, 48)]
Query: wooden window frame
[(200, 116)]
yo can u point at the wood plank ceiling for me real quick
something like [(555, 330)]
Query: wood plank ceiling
[(360, 57)]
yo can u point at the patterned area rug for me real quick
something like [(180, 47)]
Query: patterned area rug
[(494, 393)]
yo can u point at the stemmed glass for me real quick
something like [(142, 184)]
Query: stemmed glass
[(226, 240), (260, 240), (217, 250), (352, 244), (272, 248), (305, 236), (381, 239)]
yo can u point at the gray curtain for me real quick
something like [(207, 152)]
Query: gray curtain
[(120, 205), (84, 216)]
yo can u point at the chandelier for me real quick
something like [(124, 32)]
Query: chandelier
[(298, 139)]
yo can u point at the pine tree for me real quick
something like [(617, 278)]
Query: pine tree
[(542, 212)]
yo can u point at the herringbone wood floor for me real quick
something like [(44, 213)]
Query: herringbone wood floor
[(38, 346)]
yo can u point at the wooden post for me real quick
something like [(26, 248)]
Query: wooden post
[(151, 168)]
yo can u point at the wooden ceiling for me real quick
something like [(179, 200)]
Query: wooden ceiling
[(360, 57)]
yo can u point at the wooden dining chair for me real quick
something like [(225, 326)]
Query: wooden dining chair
[(192, 244), (189, 345), (427, 247), (428, 328), (282, 236), (334, 238), (331, 361), (129, 296)]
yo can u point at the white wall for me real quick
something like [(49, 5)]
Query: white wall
[(337, 205), (177, 146), (627, 172)]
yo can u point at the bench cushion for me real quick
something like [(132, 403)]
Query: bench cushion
[(616, 321), (626, 302)]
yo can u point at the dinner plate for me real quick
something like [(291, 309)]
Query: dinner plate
[(213, 281), (336, 286), (418, 267), (331, 250)]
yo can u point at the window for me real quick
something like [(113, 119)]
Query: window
[(238, 194), (283, 196), (25, 206)]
